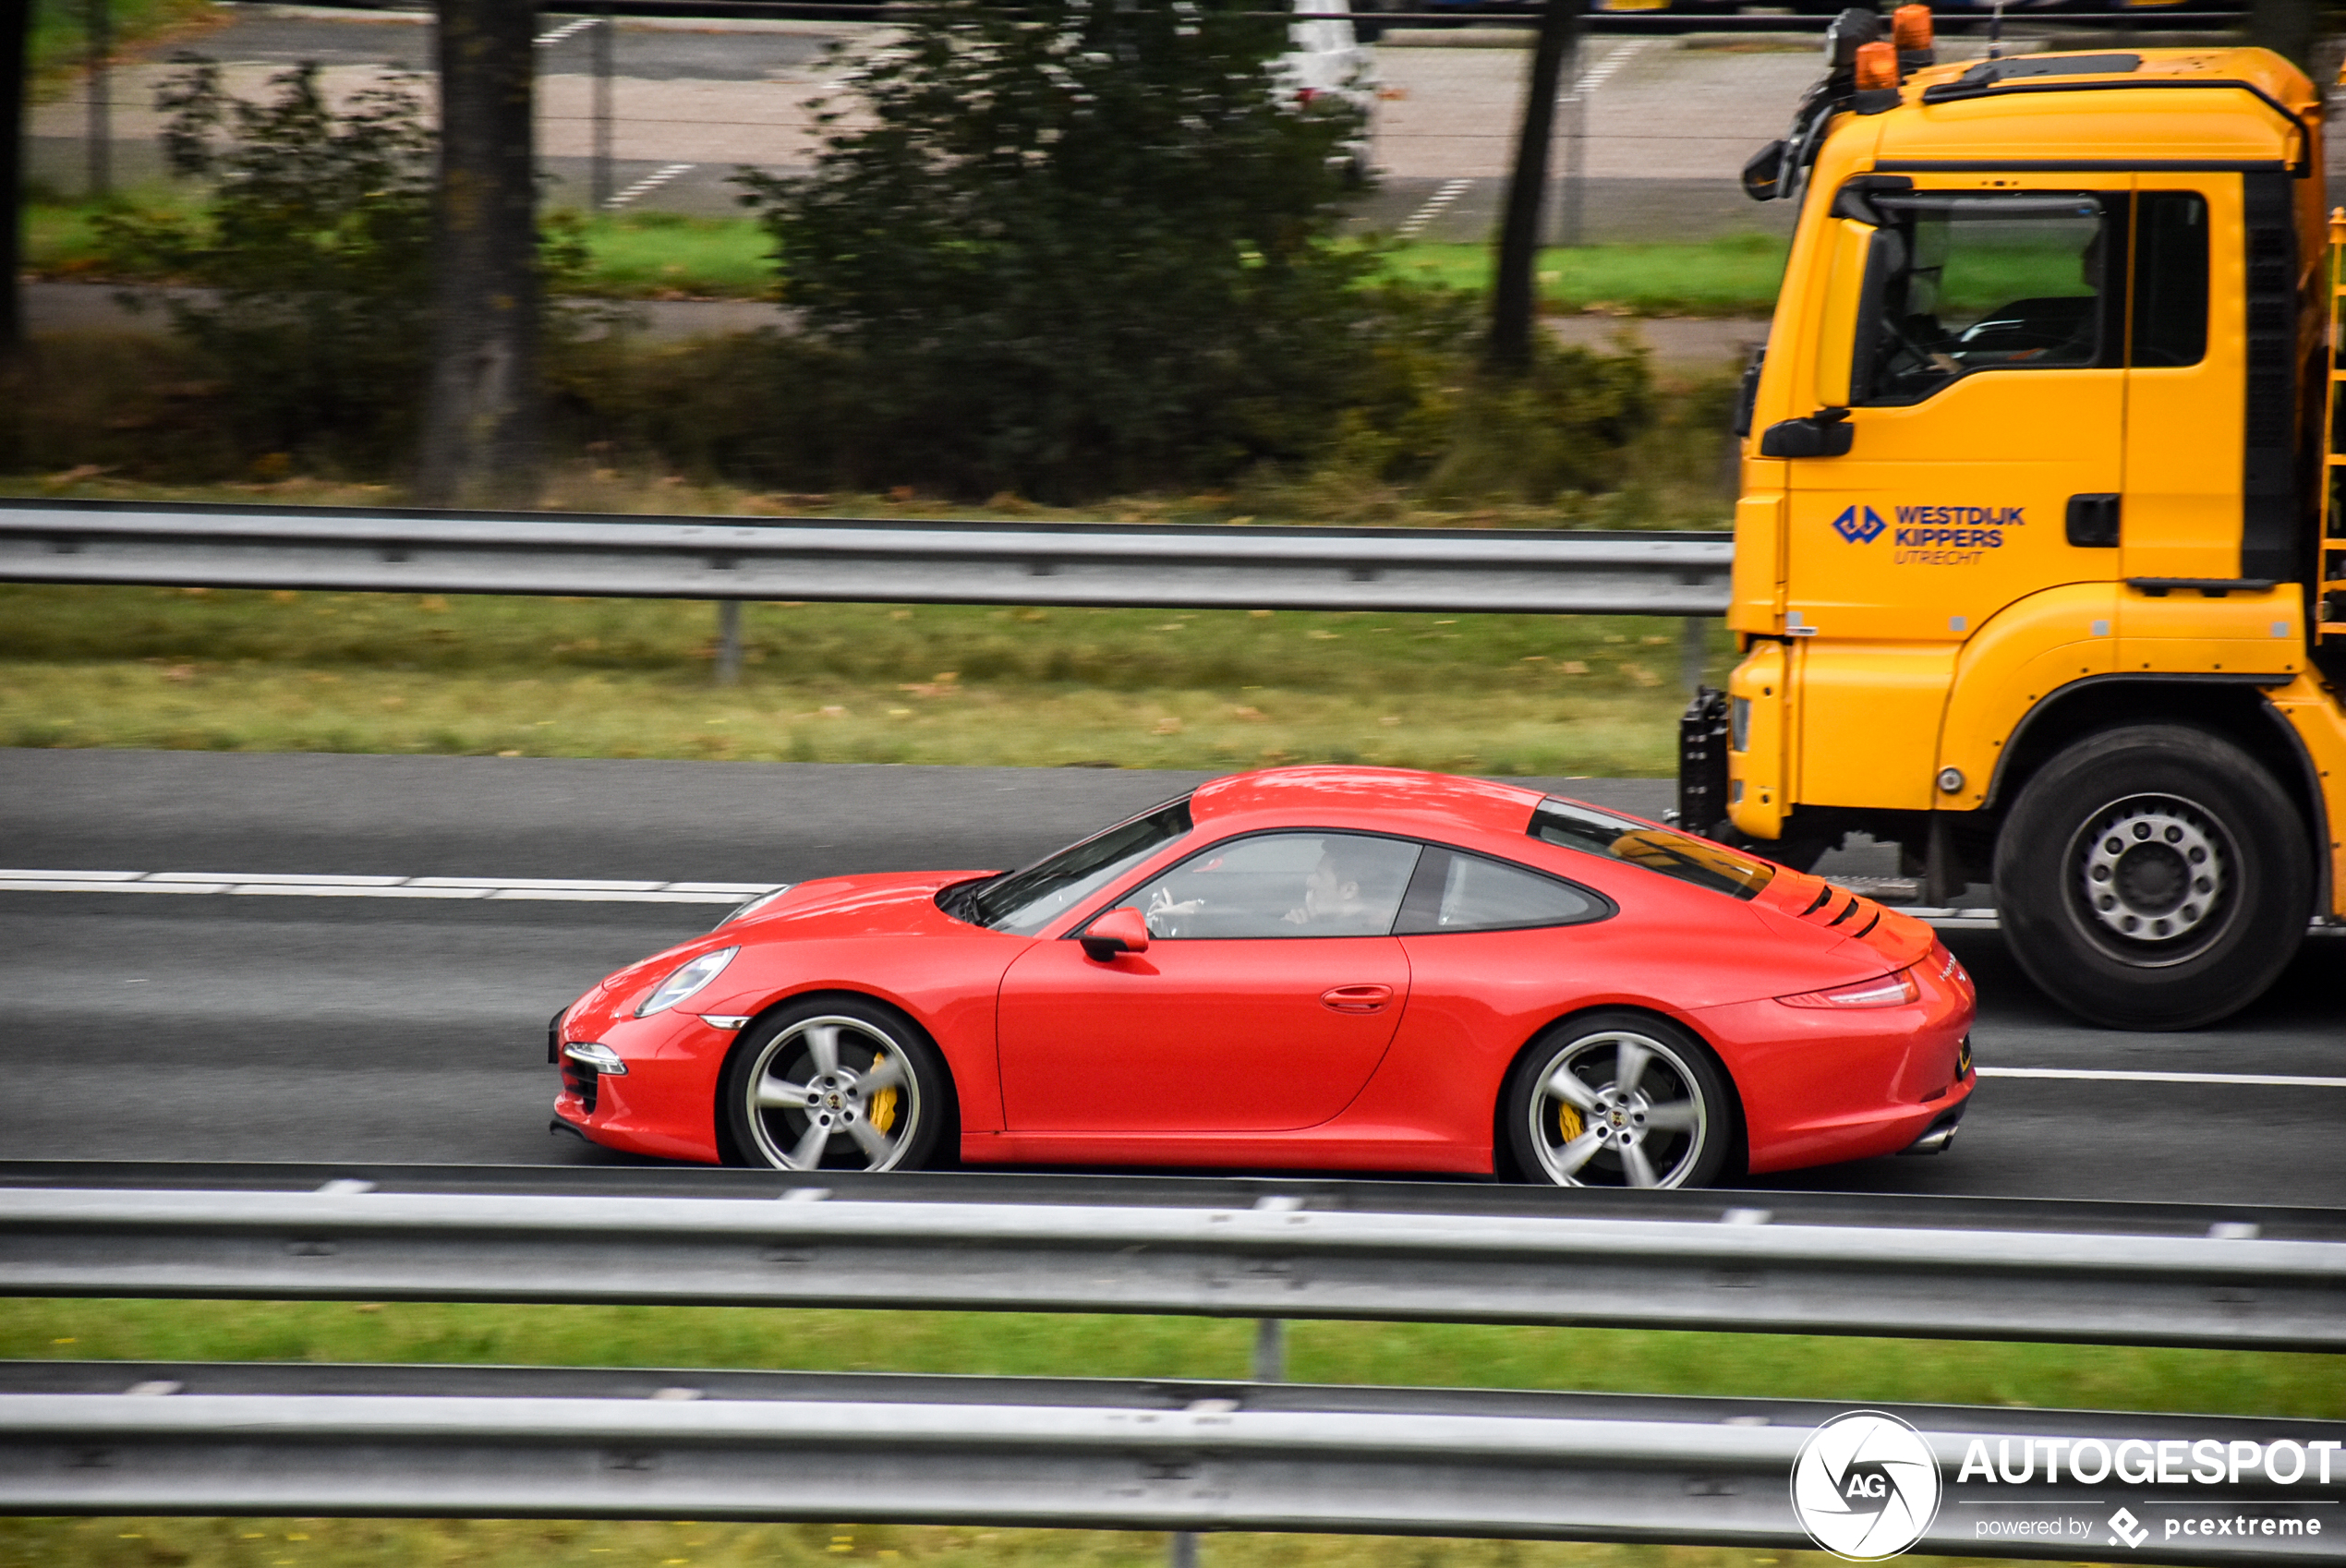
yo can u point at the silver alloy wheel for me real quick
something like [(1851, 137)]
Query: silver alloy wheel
[(1616, 1108), (829, 1078), (2151, 870)]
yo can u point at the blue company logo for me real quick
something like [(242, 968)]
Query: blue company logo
[(1859, 525)]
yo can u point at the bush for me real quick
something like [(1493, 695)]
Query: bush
[(1072, 247), (315, 256)]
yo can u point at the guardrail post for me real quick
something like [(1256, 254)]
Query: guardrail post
[(729, 642), (1694, 640), (1270, 1350)]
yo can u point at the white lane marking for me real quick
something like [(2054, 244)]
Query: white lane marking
[(1594, 76), (1451, 190), (2111, 1075), (568, 29), (290, 881), (286, 885), (646, 185)]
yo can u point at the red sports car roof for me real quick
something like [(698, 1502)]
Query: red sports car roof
[(1425, 797)]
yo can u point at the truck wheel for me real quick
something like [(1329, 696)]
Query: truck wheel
[(2153, 876)]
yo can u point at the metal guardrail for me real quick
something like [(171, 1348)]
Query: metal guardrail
[(2209, 1277), (306, 1439), (867, 562)]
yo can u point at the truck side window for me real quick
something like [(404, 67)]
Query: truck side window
[(1963, 281), (2171, 278)]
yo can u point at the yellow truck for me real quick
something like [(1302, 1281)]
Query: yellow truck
[(2035, 573)]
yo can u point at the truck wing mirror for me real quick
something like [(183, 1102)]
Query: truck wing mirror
[(1763, 172), (1825, 433)]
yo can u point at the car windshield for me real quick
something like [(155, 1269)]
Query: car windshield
[(1679, 855), (1024, 901)]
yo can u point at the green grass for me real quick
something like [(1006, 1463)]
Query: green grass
[(653, 255), (669, 254), (1855, 1371), (953, 685), (60, 42), (1732, 275)]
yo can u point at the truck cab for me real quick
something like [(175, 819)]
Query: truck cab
[(2033, 564)]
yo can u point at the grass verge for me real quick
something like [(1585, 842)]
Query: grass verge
[(193, 670), (653, 255), (1856, 1370), (1730, 275)]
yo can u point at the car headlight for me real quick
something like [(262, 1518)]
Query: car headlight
[(687, 982), (751, 906)]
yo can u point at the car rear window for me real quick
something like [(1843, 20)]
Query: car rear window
[(1679, 855)]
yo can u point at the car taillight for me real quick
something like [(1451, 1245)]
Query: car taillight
[(1890, 991)]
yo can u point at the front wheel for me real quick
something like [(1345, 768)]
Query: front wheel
[(2153, 876), (835, 1083), (1618, 1100)]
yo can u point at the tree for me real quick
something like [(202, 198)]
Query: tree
[(480, 437), (1513, 294), (1071, 246), (16, 30)]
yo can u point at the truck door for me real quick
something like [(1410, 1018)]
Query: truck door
[(1976, 337)]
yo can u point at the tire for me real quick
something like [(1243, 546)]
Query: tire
[(2153, 876), (788, 1108), (1673, 1127)]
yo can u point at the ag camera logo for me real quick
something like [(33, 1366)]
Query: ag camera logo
[(1859, 525), (1866, 1485)]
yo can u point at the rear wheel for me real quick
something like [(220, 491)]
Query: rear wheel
[(2153, 876), (1618, 1100), (835, 1083)]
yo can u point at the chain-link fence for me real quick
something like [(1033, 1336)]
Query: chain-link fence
[(660, 112)]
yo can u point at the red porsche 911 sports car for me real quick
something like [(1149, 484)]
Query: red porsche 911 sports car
[(1332, 967)]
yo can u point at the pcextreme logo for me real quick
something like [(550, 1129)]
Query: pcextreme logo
[(1866, 1485)]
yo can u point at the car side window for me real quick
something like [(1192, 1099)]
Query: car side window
[(1277, 885), (1457, 891)]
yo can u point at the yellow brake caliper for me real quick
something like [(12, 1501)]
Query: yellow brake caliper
[(1569, 1120), (881, 1113)]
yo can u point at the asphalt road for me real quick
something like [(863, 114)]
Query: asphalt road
[(221, 1027)]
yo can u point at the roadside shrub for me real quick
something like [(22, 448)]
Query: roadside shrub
[(1071, 247), (314, 257)]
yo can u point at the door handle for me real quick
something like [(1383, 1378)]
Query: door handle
[(1357, 998), (2092, 522)]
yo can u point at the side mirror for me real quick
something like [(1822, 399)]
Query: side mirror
[(1763, 172), (1825, 433), (1118, 931)]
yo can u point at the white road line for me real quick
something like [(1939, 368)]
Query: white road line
[(1594, 76), (284, 885), (1451, 190), (646, 185), (2110, 1075), (568, 29)]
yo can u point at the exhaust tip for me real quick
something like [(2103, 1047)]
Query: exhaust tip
[(1937, 1137)]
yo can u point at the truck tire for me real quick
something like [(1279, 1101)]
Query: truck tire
[(2153, 876)]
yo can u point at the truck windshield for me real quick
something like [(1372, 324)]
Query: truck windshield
[(1964, 283), (1678, 855), (1024, 901)]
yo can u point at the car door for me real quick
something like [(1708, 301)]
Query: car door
[(1266, 997), (1977, 338)]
